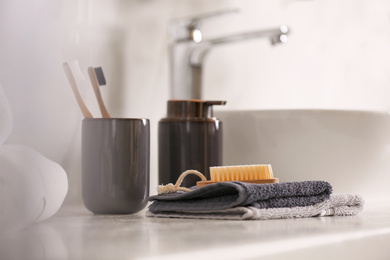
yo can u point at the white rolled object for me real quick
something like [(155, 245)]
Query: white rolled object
[(32, 187), (53, 176)]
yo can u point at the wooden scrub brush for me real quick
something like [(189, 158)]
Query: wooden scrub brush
[(261, 173)]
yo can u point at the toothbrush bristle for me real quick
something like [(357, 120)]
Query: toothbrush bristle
[(100, 76), (74, 67)]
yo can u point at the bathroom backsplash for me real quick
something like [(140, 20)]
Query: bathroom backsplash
[(337, 56)]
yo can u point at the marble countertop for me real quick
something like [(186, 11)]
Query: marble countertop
[(74, 233)]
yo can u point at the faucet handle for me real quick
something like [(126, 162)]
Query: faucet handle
[(188, 29)]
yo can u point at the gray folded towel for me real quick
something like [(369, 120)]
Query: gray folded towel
[(226, 195), (336, 205)]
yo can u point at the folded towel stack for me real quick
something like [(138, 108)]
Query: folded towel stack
[(238, 200)]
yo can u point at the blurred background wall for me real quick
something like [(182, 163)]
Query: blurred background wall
[(337, 57)]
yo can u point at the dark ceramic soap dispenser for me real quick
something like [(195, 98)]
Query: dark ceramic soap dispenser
[(189, 138)]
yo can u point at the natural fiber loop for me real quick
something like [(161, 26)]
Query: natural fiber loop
[(170, 188)]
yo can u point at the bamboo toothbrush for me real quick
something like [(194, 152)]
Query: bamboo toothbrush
[(97, 79), (74, 75), (261, 173)]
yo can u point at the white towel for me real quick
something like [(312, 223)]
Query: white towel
[(32, 187)]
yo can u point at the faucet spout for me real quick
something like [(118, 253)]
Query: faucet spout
[(277, 35)]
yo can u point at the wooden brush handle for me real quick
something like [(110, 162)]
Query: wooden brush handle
[(95, 85), (204, 183)]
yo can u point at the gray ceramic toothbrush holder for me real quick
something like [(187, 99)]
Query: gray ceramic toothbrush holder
[(115, 165)]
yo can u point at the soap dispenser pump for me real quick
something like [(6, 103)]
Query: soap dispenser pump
[(190, 137)]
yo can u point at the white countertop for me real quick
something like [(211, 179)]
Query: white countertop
[(74, 233)]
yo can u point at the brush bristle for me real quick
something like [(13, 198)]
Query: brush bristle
[(241, 172), (100, 76), (74, 67)]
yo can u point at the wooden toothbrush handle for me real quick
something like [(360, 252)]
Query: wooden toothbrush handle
[(95, 85)]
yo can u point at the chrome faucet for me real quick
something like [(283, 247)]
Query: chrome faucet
[(189, 49)]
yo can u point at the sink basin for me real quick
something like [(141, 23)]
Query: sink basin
[(350, 149)]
